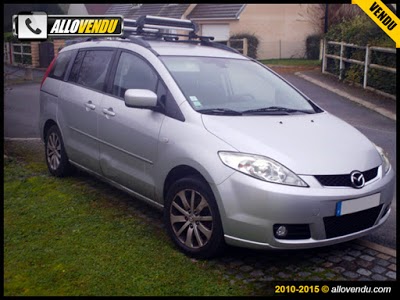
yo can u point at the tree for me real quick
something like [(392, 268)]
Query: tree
[(337, 13)]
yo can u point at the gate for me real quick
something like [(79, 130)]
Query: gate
[(7, 53), (46, 54), (21, 54)]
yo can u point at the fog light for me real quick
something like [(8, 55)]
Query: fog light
[(281, 231), (291, 231)]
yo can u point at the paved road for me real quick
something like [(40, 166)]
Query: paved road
[(21, 111)]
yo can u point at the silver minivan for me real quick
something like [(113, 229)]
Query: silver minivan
[(231, 152)]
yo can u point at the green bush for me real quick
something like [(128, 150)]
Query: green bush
[(362, 31), (10, 38), (312, 46), (380, 79), (252, 42)]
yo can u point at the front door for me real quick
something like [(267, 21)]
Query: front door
[(129, 136)]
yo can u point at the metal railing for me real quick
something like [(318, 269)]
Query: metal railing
[(366, 63)]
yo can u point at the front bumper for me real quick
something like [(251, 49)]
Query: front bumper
[(250, 207)]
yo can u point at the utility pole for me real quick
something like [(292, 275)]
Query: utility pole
[(326, 18)]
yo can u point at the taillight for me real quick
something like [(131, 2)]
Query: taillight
[(48, 70)]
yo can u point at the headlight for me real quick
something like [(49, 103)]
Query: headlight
[(261, 167), (385, 160)]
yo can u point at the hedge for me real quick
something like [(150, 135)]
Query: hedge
[(252, 43), (362, 31)]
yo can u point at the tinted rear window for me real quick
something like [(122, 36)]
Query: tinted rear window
[(61, 65), (73, 76), (90, 68)]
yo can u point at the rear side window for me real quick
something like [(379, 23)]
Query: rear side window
[(90, 68), (61, 65), (73, 76)]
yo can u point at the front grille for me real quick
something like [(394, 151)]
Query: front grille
[(350, 223), (370, 174), (344, 179)]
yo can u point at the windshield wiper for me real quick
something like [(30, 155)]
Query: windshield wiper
[(275, 110), (220, 111)]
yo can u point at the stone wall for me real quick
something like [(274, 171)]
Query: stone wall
[(35, 54), (57, 44)]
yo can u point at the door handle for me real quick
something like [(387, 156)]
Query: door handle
[(109, 112), (90, 105)]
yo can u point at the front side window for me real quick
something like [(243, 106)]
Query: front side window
[(133, 73), (234, 85), (90, 68)]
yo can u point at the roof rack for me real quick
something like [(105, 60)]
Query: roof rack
[(152, 27), (157, 25)]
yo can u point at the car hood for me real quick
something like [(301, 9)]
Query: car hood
[(316, 144)]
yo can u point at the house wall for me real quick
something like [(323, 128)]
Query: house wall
[(281, 28)]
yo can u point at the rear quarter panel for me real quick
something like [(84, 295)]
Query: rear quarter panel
[(48, 102)]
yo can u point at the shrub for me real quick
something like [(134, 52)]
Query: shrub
[(10, 38), (362, 31), (252, 42)]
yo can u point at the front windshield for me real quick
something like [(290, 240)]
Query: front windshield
[(233, 85)]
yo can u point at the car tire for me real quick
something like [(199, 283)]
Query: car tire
[(192, 218), (56, 158)]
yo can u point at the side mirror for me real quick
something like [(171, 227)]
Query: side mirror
[(140, 98)]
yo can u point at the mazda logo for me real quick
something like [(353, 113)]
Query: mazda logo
[(357, 179)]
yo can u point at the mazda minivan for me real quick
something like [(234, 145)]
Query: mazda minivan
[(232, 152)]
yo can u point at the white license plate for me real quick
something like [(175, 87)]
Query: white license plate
[(351, 206)]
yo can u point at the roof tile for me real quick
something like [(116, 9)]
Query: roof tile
[(216, 11), (162, 10)]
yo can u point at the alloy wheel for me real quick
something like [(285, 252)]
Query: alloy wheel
[(53, 151), (191, 218)]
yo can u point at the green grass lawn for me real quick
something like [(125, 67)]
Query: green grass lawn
[(292, 62), (77, 236)]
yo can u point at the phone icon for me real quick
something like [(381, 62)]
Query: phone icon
[(28, 22), (30, 25)]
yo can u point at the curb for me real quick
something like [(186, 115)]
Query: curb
[(377, 247), (366, 104), (21, 139)]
